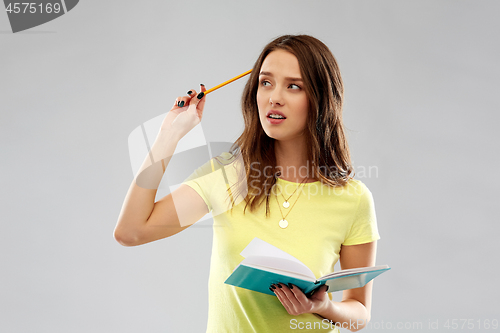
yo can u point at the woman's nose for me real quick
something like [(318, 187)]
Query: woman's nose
[(276, 98)]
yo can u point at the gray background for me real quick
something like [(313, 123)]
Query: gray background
[(420, 79)]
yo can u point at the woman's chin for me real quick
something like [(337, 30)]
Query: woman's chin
[(273, 134), (281, 135)]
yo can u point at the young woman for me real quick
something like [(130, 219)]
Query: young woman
[(299, 194)]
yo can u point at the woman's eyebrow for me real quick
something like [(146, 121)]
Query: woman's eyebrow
[(286, 78)]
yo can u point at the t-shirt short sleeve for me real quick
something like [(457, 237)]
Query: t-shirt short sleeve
[(364, 225), (220, 182)]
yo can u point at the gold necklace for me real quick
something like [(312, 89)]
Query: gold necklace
[(283, 223), (286, 204)]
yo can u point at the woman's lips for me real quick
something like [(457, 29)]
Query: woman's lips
[(270, 112), (275, 121)]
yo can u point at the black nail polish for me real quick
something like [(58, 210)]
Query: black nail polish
[(327, 287), (200, 95), (290, 286), (279, 285), (181, 104), (271, 290), (201, 84), (272, 286), (190, 92)]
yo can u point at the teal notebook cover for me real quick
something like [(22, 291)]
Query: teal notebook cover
[(265, 264), (260, 280)]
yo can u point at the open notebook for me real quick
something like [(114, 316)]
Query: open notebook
[(265, 264)]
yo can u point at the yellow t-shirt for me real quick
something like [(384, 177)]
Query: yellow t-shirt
[(321, 220)]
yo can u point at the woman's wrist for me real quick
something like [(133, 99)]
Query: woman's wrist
[(161, 151), (350, 314), (326, 310), (168, 135), (165, 142)]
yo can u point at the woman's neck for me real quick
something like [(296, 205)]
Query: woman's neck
[(291, 160)]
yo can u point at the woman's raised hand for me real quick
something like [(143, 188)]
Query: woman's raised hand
[(185, 114)]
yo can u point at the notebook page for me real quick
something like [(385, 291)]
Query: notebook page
[(260, 248)]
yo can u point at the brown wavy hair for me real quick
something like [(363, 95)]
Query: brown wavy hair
[(328, 151)]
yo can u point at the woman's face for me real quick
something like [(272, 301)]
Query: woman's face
[(281, 98)]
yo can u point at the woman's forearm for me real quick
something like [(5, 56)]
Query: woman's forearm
[(350, 314), (152, 169), (140, 199)]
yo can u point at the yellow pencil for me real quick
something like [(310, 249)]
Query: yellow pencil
[(227, 82)]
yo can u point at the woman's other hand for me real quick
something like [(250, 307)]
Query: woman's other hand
[(296, 302)]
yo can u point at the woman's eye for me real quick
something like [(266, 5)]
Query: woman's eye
[(265, 83), (294, 86)]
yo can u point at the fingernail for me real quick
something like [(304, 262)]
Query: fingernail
[(200, 95), (290, 286), (272, 286), (279, 285), (327, 287), (181, 104), (190, 92), (201, 84), (271, 290), (178, 103)]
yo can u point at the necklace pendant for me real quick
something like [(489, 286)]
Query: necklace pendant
[(283, 224), (286, 204)]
